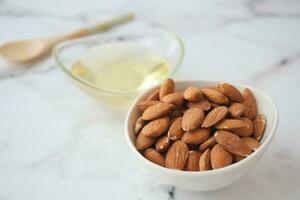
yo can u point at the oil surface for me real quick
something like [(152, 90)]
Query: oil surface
[(121, 67)]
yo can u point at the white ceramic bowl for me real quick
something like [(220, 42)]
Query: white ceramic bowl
[(213, 179)]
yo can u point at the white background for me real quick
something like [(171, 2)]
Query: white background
[(57, 143)]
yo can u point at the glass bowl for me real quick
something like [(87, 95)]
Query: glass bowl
[(167, 44)]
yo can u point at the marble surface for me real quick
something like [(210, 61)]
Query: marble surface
[(57, 143)]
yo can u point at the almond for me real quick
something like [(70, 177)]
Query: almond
[(252, 143), (237, 158), (204, 161), (192, 94), (250, 105), (156, 111), (214, 105), (230, 92), (173, 119), (139, 124), (232, 143), (220, 157), (177, 155), (167, 87), (175, 98), (162, 144), (143, 142), (175, 132), (259, 127), (229, 124), (244, 131), (236, 110), (143, 105), (214, 116), (208, 143), (213, 88), (196, 136), (192, 119), (192, 163), (203, 104), (154, 156), (154, 96), (215, 96), (156, 127)]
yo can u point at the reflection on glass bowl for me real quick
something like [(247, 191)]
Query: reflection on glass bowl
[(115, 68)]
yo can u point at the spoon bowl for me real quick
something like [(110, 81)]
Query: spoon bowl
[(23, 51)]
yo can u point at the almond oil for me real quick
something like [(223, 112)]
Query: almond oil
[(121, 67)]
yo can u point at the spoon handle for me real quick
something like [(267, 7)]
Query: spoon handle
[(104, 25), (110, 23), (93, 29)]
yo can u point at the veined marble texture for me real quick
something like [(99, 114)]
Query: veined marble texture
[(57, 143)]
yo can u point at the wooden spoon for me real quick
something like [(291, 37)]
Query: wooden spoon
[(27, 51)]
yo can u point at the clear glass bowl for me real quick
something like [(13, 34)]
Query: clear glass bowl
[(167, 44)]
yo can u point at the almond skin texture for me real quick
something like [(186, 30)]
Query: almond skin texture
[(204, 161), (214, 116), (244, 131), (167, 87), (154, 96), (156, 111), (220, 157), (154, 156), (139, 124), (203, 104), (232, 143), (192, 119), (176, 132), (177, 155), (143, 105), (252, 143), (143, 142), (236, 110), (196, 136), (215, 96), (230, 92), (156, 127), (250, 105), (162, 144), (175, 98), (229, 124), (208, 143), (192, 94), (259, 127), (192, 163)]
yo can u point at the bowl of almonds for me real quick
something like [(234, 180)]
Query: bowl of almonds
[(200, 135)]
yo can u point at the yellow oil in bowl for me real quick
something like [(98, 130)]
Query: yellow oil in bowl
[(120, 67)]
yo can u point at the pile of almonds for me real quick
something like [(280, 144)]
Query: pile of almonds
[(198, 129)]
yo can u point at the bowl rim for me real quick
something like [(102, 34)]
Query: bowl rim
[(62, 46), (239, 164)]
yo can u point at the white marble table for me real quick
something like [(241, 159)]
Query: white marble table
[(57, 143)]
